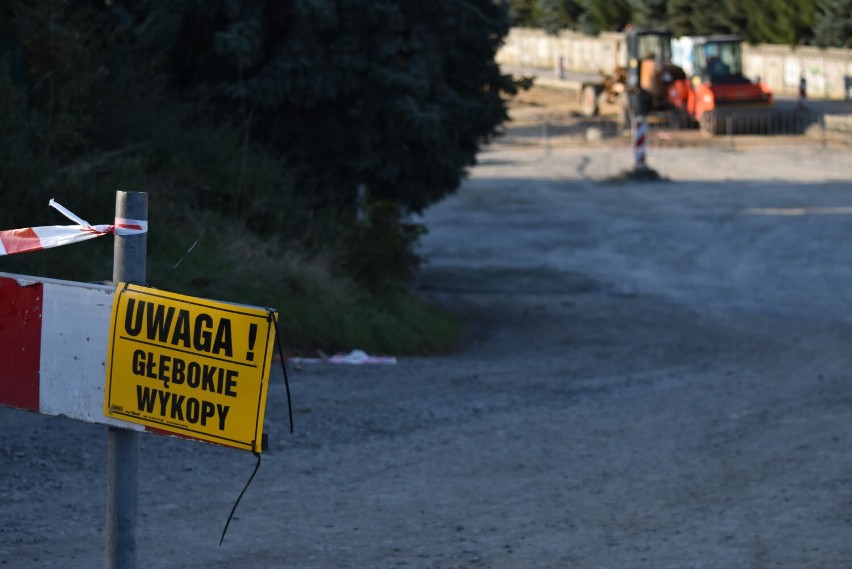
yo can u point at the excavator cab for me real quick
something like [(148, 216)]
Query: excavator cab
[(647, 50), (649, 70)]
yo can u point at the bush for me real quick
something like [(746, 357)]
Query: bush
[(378, 252)]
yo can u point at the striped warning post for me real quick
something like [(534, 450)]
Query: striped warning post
[(640, 142), (37, 238), (53, 347)]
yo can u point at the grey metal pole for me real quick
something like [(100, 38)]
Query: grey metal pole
[(129, 265)]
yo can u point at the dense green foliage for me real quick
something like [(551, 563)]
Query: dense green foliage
[(820, 22), (251, 124), (395, 95), (551, 15), (833, 23)]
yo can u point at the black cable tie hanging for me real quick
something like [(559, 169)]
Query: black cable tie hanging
[(283, 367), (240, 497), (271, 317)]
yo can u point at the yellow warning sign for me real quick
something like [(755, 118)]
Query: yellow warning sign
[(189, 366)]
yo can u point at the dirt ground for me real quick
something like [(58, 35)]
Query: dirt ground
[(655, 375)]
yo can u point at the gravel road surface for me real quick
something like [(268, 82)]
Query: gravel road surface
[(655, 375)]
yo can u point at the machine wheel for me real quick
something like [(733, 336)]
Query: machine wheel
[(589, 101), (709, 124)]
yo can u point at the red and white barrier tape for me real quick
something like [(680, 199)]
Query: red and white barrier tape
[(37, 238)]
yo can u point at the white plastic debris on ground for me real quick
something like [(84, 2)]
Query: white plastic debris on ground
[(355, 357)]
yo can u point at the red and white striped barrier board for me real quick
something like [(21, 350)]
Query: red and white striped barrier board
[(53, 347), (37, 238)]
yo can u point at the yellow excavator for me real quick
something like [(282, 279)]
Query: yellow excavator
[(640, 86)]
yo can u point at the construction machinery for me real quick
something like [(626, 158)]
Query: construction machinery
[(714, 86), (689, 80), (641, 85)]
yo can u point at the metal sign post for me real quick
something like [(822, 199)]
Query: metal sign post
[(176, 365), (129, 265)]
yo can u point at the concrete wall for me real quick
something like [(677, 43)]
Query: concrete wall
[(533, 48), (828, 71)]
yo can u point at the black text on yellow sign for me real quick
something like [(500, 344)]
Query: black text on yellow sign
[(189, 366)]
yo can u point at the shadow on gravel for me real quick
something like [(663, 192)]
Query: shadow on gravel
[(500, 280), (638, 175)]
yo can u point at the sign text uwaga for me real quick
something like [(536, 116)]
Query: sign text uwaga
[(189, 366)]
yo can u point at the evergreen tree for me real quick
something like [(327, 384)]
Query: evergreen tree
[(703, 17), (523, 13), (732, 16), (650, 13), (608, 15), (833, 23), (557, 15), (396, 95), (781, 21), (49, 52), (826, 22)]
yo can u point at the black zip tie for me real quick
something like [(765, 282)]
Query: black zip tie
[(283, 367), (290, 413), (240, 497)]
